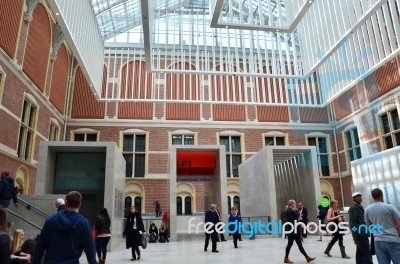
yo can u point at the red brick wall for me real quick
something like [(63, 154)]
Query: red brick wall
[(10, 15), (347, 189), (11, 164)]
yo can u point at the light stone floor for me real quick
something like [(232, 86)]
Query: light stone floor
[(260, 250)]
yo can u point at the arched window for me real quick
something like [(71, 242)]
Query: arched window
[(188, 205), (229, 204), (138, 203), (128, 204), (178, 205), (236, 202)]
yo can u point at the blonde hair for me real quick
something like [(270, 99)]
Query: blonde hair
[(291, 202), (17, 241), (333, 202)]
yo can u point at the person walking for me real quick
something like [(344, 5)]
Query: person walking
[(356, 219), (134, 229), (103, 224), (292, 216), (323, 211), (219, 220), (65, 235), (234, 217), (334, 216), (386, 218), (7, 190), (210, 217)]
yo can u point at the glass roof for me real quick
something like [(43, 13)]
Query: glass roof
[(118, 16), (255, 12)]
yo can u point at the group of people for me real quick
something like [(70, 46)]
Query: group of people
[(158, 234), (213, 216), (15, 250), (385, 218), (65, 235), (380, 221)]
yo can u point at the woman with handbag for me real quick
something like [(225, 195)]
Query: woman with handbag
[(133, 231), (103, 234), (334, 216)]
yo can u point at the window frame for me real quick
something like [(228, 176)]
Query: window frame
[(182, 204), (328, 152), (134, 153), (231, 154), (85, 135), (54, 131), (392, 131), (27, 129), (275, 135), (354, 147), (183, 139), (2, 82)]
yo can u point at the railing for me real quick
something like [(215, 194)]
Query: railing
[(254, 219), (23, 219), (30, 206)]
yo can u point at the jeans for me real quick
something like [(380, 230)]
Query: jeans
[(363, 253), (5, 202), (291, 239), (387, 251), (101, 246)]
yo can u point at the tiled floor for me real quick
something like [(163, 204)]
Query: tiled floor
[(260, 250)]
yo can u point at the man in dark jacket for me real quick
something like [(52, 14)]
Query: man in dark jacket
[(356, 218), (7, 190), (65, 235), (303, 218), (211, 217), (60, 204)]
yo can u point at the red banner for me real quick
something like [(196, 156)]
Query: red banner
[(195, 163)]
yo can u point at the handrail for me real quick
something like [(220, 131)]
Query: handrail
[(29, 206), (23, 219)]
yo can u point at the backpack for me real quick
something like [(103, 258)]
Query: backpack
[(153, 238)]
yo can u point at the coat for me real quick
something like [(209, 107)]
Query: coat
[(133, 237)]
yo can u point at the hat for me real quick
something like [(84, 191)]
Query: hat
[(355, 194), (60, 201)]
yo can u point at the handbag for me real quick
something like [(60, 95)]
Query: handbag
[(143, 241), (94, 232)]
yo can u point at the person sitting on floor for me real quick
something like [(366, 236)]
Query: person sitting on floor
[(163, 232), (153, 233)]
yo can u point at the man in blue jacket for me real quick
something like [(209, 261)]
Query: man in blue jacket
[(7, 190), (65, 235)]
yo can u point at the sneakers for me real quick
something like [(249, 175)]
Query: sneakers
[(215, 251)]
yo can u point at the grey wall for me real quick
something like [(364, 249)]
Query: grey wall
[(276, 174), (218, 186), (381, 170), (114, 182), (296, 179), (257, 185)]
